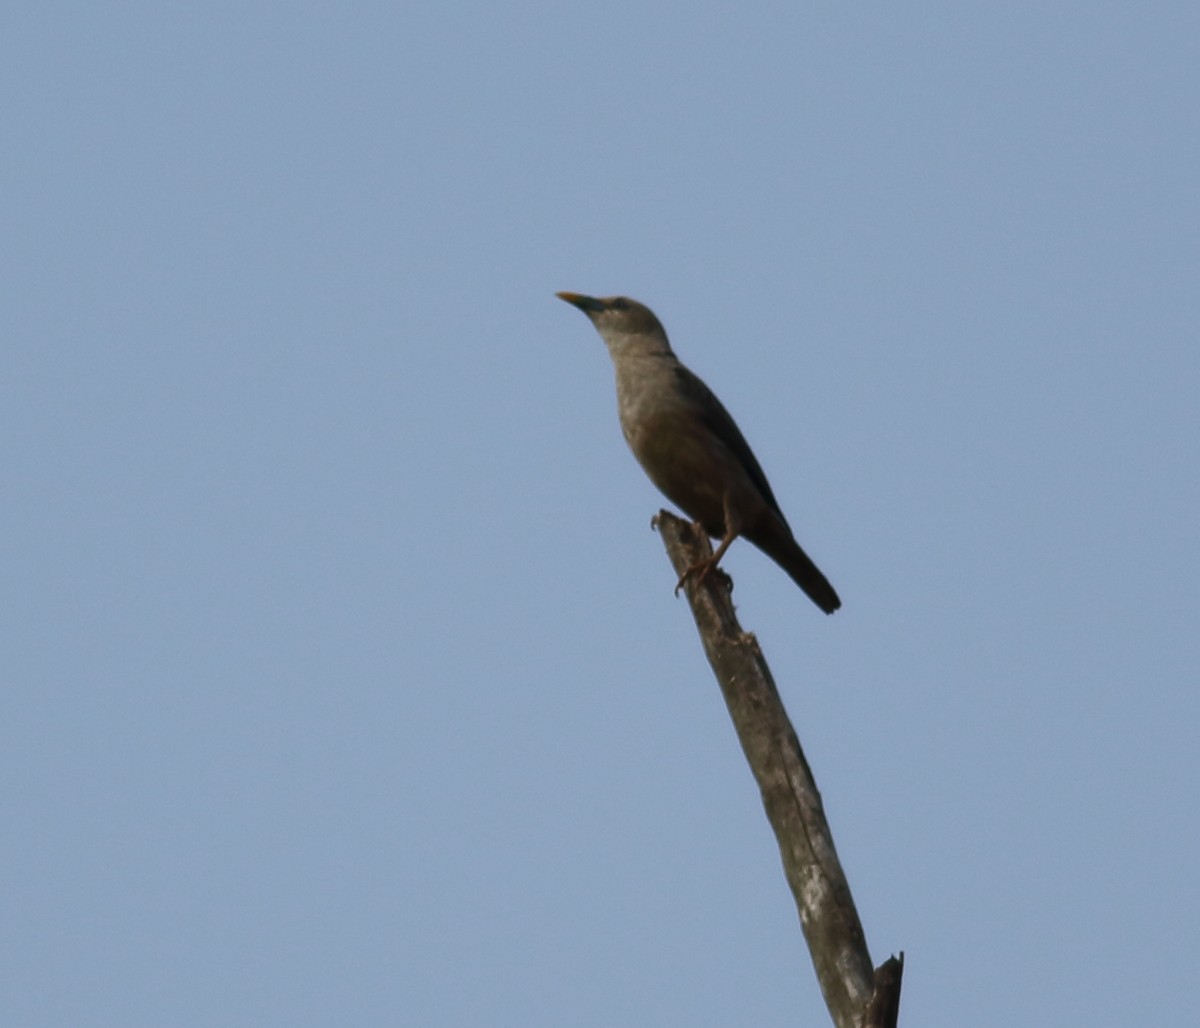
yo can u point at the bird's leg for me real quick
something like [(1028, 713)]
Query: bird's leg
[(702, 568)]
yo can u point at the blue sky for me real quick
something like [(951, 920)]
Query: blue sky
[(344, 683)]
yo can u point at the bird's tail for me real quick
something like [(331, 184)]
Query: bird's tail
[(786, 552), (808, 576)]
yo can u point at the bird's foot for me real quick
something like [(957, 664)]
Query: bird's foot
[(696, 571), (699, 571)]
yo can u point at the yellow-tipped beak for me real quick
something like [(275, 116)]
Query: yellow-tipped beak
[(584, 303)]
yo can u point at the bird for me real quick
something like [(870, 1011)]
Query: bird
[(691, 448)]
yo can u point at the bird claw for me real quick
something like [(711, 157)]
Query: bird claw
[(700, 570)]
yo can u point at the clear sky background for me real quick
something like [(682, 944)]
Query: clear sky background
[(343, 683)]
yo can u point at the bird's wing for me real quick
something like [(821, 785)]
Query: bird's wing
[(718, 421)]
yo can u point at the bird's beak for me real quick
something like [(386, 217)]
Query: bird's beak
[(587, 304)]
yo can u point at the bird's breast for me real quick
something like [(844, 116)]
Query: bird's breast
[(682, 462)]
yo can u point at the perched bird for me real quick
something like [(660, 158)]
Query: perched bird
[(690, 447)]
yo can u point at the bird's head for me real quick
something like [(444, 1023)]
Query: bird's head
[(622, 323)]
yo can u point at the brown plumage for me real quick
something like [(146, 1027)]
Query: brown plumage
[(690, 447)]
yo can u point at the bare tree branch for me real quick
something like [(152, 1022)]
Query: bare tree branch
[(793, 805)]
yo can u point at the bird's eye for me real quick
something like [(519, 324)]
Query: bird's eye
[(620, 303)]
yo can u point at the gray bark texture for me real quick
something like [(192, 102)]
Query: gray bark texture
[(856, 994)]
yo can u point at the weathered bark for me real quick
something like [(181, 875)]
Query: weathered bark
[(884, 1009), (830, 923)]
